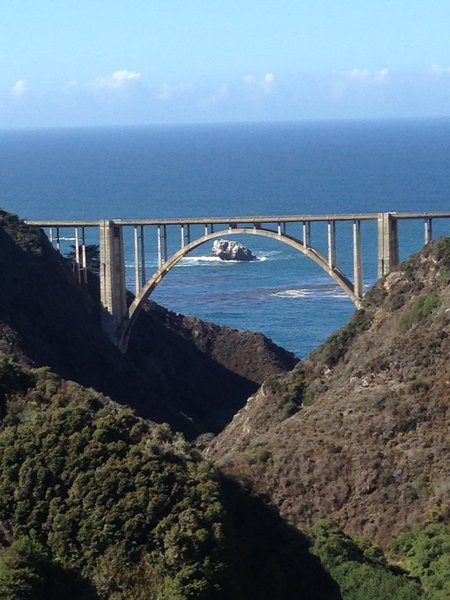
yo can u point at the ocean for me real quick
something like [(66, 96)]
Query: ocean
[(233, 170)]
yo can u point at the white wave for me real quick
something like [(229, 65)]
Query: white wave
[(129, 265), (192, 261), (215, 260), (335, 294), (265, 254), (200, 259), (300, 293), (271, 255)]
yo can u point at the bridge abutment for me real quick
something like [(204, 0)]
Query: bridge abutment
[(113, 294), (388, 253)]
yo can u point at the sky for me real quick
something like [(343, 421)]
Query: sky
[(66, 63)]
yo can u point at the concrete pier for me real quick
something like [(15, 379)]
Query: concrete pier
[(112, 279), (331, 244), (306, 227), (428, 230), (388, 252), (358, 284)]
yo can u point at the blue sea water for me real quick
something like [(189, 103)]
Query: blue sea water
[(240, 169)]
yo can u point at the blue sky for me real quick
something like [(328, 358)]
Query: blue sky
[(111, 62)]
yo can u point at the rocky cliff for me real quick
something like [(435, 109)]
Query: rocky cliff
[(359, 431)]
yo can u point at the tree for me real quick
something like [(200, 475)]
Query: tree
[(92, 256), (23, 567)]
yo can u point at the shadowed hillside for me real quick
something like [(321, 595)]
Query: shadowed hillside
[(191, 374)]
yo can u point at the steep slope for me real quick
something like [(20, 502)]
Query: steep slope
[(177, 369), (359, 431)]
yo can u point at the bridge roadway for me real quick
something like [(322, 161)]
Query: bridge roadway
[(118, 319), (70, 223)]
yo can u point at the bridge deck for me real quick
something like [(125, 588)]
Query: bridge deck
[(255, 219)]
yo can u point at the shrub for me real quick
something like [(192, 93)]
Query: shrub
[(335, 347), (359, 567), (422, 308), (289, 408), (91, 481), (425, 552), (23, 569), (410, 493)]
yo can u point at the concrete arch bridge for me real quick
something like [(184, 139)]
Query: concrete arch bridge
[(118, 319)]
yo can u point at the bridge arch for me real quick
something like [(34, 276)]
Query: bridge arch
[(333, 271)]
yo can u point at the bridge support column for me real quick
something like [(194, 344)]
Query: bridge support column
[(77, 255), (331, 244), (112, 279), (139, 258), (185, 232), (428, 226), (84, 256), (80, 264), (388, 254), (306, 234), (357, 260), (162, 245)]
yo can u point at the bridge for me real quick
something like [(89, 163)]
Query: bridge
[(118, 319)]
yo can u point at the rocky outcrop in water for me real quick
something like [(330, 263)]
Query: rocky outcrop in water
[(232, 250)]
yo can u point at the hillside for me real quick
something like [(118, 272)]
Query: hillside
[(101, 502), (54, 322), (96, 503), (358, 432)]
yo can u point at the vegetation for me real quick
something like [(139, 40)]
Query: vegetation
[(336, 345), (86, 480), (424, 551), (92, 256), (28, 239), (294, 394), (117, 507), (26, 573), (422, 308), (359, 567)]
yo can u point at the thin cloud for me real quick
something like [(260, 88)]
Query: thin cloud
[(437, 71), (119, 79), (215, 97), (264, 84), (168, 91), (71, 84), (20, 87), (367, 75)]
